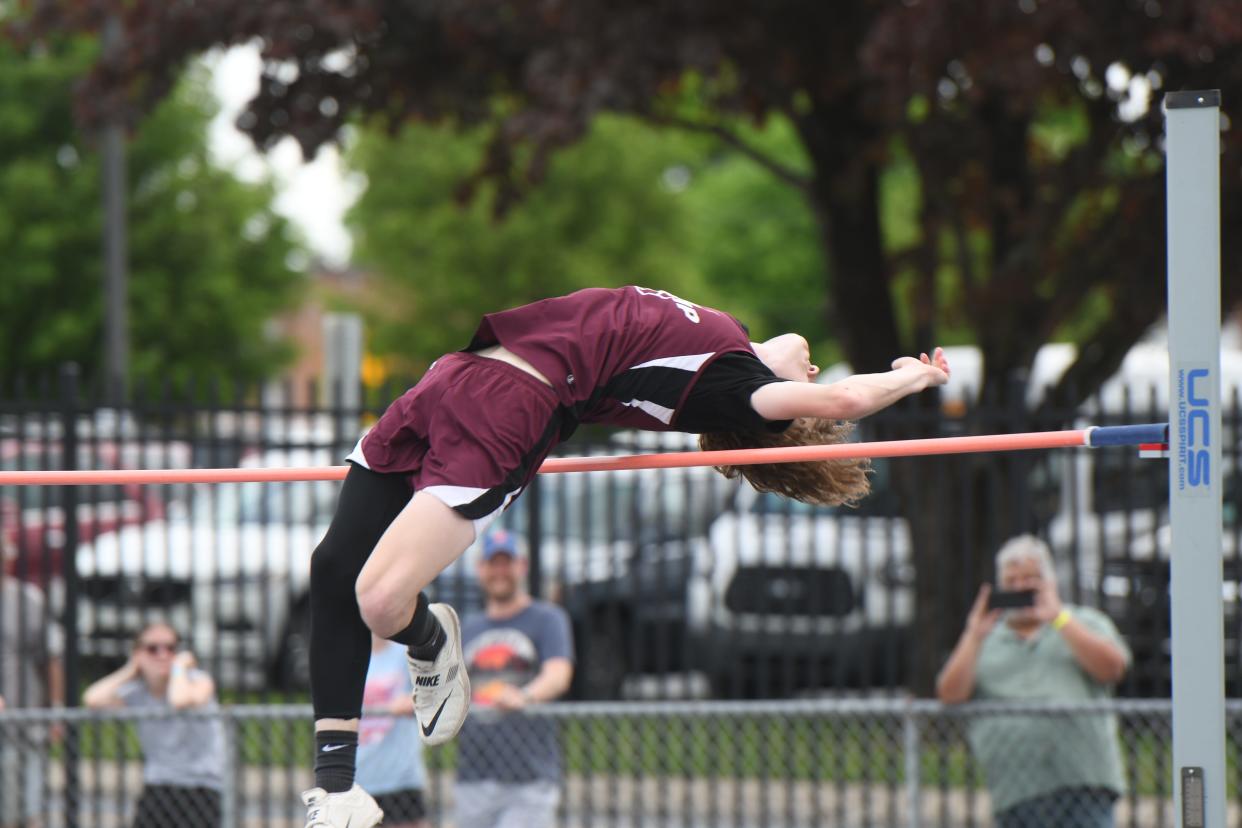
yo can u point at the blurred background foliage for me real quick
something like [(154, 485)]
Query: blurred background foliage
[(209, 259), (879, 176), (629, 203)]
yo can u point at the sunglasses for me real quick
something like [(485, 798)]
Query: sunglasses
[(156, 649)]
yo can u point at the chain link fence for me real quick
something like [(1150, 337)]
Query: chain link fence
[(841, 762)]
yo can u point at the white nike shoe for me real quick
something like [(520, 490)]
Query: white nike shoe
[(441, 687), (348, 809)]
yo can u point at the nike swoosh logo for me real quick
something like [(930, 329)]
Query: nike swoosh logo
[(430, 726), (330, 748)]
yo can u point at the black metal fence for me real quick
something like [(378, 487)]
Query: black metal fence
[(850, 763), (680, 583)]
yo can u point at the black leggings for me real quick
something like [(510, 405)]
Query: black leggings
[(340, 643)]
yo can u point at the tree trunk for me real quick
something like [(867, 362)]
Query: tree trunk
[(845, 199), (958, 508)]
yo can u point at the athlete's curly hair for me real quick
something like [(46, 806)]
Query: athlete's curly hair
[(820, 482)]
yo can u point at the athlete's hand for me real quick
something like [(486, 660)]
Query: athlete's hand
[(938, 361), (936, 367)]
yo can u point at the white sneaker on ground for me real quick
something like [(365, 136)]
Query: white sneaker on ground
[(441, 687), (348, 809)]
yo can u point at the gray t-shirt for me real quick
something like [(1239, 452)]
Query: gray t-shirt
[(29, 640), (186, 751), (511, 748), (1026, 756)]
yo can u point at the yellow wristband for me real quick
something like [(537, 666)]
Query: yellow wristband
[(1063, 618)]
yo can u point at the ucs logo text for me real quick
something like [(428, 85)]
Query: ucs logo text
[(1194, 388)]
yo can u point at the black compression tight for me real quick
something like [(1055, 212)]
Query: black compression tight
[(340, 643)]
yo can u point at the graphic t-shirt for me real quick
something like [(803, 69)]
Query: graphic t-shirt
[(510, 747), (390, 753)]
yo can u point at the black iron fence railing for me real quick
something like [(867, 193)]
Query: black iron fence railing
[(680, 584)]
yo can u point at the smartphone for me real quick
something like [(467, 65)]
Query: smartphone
[(1003, 599)]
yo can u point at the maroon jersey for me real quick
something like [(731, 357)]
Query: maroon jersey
[(625, 356), (474, 430)]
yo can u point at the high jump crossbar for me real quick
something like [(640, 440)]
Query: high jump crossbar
[(1091, 437)]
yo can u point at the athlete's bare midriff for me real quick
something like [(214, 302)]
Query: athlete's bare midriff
[(503, 354)]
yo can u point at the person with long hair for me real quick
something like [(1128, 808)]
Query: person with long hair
[(183, 757), (456, 449)]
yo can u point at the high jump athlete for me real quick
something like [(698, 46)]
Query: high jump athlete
[(453, 451)]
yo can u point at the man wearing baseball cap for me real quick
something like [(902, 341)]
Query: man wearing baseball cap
[(518, 652)]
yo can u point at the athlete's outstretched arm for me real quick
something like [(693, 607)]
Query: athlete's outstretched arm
[(852, 397)]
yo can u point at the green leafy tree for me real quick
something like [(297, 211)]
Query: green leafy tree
[(208, 257), (630, 203), (606, 214), (756, 240), (968, 90)]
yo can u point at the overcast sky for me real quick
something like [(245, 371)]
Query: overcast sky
[(314, 196)]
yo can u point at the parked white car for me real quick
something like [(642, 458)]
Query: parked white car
[(826, 593)]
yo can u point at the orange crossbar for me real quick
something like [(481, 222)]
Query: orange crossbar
[(682, 459)]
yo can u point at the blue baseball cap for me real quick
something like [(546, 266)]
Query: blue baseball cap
[(499, 541)]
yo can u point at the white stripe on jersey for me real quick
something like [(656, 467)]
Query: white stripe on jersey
[(690, 362), (356, 456), (664, 415)]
